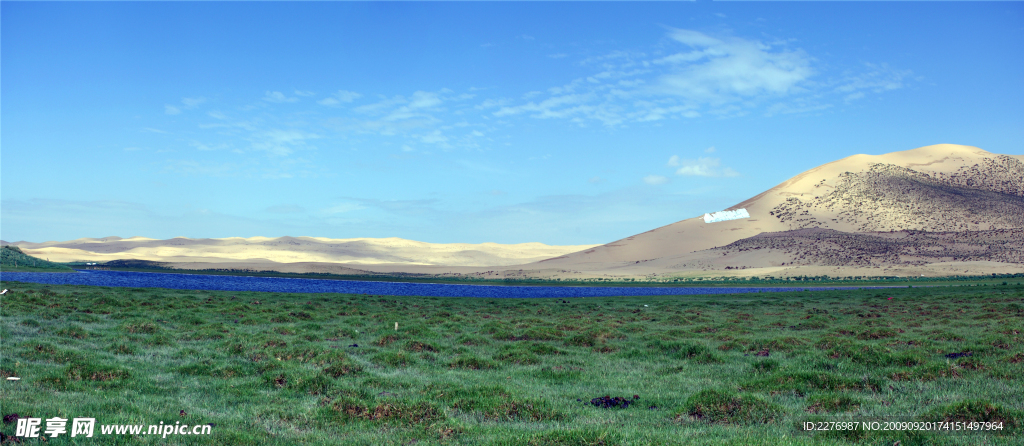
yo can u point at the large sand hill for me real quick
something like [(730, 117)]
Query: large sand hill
[(943, 187)]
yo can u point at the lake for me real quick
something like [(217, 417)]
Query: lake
[(290, 285)]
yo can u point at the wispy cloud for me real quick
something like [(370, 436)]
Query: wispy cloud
[(278, 97), (655, 179), (701, 75), (723, 76), (193, 102), (340, 97), (280, 142), (206, 148), (878, 79), (342, 208), (186, 103), (703, 167), (719, 70)]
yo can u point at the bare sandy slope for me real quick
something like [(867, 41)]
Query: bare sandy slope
[(943, 187), (236, 250)]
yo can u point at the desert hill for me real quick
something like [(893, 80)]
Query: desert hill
[(270, 251), (939, 188)]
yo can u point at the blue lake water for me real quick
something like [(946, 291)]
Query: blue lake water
[(289, 285)]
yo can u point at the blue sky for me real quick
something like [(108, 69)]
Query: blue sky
[(561, 123)]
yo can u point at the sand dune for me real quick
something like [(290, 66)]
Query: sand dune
[(943, 187), (237, 250)]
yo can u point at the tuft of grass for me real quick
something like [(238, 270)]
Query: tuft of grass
[(416, 346), (83, 370), (140, 327), (44, 351), (394, 412), (393, 359), (471, 362), (977, 410), (721, 407), (832, 402), (804, 382), (74, 332), (123, 349)]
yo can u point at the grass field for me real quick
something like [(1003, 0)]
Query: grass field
[(276, 368), (12, 259)]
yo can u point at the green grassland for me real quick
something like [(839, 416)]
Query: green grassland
[(451, 278), (279, 368), (13, 260)]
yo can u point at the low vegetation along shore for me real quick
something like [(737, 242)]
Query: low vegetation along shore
[(277, 368)]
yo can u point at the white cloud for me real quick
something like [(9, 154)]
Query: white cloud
[(655, 179), (881, 78), (131, 149), (557, 56), (206, 148), (434, 137), (216, 115), (546, 108), (279, 142), (854, 96), (423, 99), (420, 105), (731, 69), (278, 97), (721, 76), (192, 102), (304, 93), (710, 150), (340, 97), (703, 167), (171, 110)]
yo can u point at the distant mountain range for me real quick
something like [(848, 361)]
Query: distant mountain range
[(937, 210)]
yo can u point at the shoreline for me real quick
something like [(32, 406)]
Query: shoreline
[(882, 281)]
